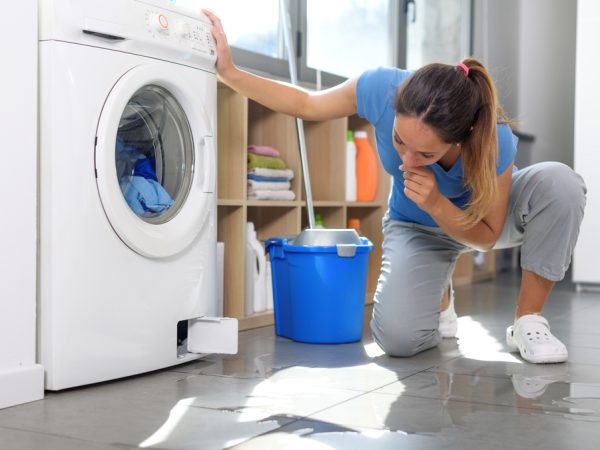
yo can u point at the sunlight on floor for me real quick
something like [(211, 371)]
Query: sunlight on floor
[(373, 350), (175, 416), (475, 342)]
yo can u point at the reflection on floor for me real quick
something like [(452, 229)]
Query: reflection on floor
[(469, 393)]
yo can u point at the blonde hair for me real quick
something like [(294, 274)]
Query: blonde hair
[(460, 103)]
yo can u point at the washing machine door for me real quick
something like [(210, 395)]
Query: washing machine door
[(155, 157)]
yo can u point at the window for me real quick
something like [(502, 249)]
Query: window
[(366, 28), (251, 26), (437, 31), (340, 39), (347, 37)]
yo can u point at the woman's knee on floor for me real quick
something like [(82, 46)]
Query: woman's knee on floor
[(402, 339)]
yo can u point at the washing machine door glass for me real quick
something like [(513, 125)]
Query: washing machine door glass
[(155, 158), (154, 154)]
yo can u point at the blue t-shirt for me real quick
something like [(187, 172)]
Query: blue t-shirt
[(375, 95)]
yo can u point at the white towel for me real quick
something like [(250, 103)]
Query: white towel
[(270, 195), (268, 185), (274, 173)]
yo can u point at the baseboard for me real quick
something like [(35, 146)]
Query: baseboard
[(21, 384)]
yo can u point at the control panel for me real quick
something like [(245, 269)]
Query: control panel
[(171, 30), (191, 34)]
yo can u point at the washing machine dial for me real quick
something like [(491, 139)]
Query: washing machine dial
[(160, 23)]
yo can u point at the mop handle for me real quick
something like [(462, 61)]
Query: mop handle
[(289, 46)]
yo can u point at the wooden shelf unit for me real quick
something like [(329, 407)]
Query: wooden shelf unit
[(242, 122)]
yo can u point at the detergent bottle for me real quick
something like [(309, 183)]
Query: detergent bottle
[(257, 271), (350, 168), (366, 168), (318, 221), (249, 273), (355, 224)]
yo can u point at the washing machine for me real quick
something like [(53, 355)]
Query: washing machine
[(127, 201)]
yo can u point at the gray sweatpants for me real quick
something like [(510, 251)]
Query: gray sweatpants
[(545, 211)]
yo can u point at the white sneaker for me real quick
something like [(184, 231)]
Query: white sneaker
[(448, 326), (531, 337)]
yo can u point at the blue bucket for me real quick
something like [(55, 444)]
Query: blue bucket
[(319, 291)]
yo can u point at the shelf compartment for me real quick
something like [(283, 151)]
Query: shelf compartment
[(266, 127), (232, 109), (231, 228), (333, 216), (274, 222), (326, 153)]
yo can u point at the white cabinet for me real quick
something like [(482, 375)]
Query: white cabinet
[(587, 143), (21, 380)]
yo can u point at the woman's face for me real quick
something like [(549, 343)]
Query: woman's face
[(416, 143)]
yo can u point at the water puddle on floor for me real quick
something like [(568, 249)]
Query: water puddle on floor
[(307, 434), (577, 401)]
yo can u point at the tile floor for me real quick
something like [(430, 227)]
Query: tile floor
[(469, 393)]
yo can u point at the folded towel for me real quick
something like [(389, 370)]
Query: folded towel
[(271, 195), (268, 185), (263, 150), (288, 174), (270, 179), (265, 161)]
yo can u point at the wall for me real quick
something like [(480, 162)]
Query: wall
[(496, 43), (587, 146), (547, 76), (529, 46), (21, 380)]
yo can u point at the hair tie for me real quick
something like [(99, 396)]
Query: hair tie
[(464, 68)]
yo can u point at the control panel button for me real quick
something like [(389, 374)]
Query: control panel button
[(159, 22), (183, 30)]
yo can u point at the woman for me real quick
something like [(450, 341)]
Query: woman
[(454, 189)]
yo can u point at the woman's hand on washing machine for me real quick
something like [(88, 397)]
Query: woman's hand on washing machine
[(224, 59)]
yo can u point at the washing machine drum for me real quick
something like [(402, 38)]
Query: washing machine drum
[(146, 163), (154, 155)]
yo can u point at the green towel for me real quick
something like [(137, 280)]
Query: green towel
[(268, 162)]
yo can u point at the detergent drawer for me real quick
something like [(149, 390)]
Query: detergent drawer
[(212, 335)]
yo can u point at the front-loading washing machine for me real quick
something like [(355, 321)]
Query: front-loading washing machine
[(127, 202)]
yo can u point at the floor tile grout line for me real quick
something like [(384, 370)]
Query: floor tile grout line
[(467, 402), (65, 437)]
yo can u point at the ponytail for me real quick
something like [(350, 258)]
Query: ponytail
[(480, 147)]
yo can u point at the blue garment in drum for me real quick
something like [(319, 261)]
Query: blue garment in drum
[(144, 168), (144, 195)]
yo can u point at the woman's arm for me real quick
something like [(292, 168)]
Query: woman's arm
[(339, 101), (420, 187)]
